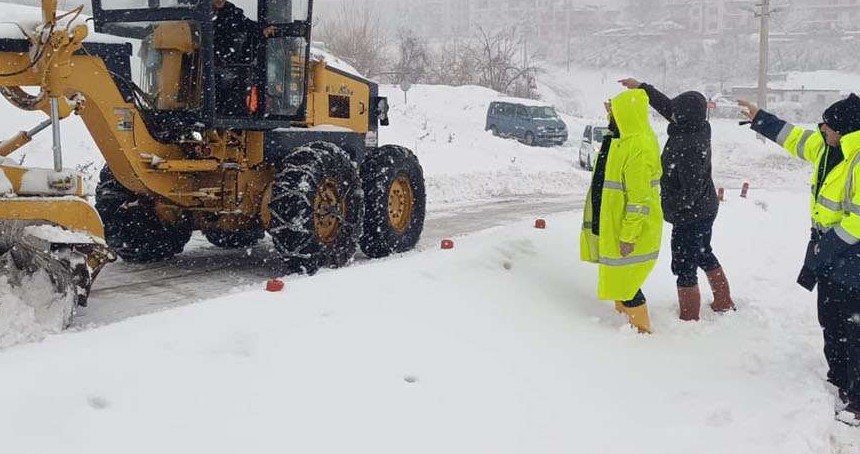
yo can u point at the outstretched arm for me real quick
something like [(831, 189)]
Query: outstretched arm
[(802, 143), (660, 102)]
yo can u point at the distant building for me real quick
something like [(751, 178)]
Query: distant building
[(839, 15), (714, 17), (802, 96)]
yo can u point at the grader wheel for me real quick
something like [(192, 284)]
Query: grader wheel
[(316, 208), (395, 201), (132, 228)]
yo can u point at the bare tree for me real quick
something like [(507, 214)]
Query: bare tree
[(354, 34), (501, 62), (414, 61), (730, 57), (452, 64)]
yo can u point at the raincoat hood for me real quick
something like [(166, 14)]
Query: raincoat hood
[(630, 111)]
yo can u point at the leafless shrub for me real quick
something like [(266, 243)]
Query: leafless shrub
[(354, 33)]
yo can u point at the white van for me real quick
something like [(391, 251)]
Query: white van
[(592, 139)]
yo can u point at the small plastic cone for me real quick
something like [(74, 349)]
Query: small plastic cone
[(274, 285)]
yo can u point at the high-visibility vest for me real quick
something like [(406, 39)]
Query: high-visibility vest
[(836, 204)]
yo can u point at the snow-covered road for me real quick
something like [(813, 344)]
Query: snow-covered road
[(204, 271)]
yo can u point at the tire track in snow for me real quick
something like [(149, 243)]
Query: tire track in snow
[(204, 271)]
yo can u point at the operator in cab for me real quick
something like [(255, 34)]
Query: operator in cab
[(238, 43)]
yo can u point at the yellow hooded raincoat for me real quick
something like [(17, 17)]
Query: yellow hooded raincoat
[(630, 204)]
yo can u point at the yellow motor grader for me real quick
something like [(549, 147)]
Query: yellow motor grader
[(278, 141)]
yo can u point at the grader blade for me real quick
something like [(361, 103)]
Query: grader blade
[(51, 250), (69, 260)]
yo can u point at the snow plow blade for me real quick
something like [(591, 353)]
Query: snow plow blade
[(60, 239)]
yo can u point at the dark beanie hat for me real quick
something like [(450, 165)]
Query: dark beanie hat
[(844, 116)]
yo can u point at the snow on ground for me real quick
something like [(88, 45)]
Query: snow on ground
[(31, 314), (496, 346), (462, 161)]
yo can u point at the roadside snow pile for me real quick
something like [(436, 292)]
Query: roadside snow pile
[(5, 184), (29, 18), (444, 126), (30, 311), (495, 346)]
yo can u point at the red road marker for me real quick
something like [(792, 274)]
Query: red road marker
[(540, 223), (447, 244), (274, 285), (745, 189), (721, 193)]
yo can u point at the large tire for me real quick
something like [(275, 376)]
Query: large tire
[(316, 207), (243, 238), (132, 228), (394, 200)]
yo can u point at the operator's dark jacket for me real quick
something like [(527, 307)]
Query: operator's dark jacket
[(237, 38), (687, 186)]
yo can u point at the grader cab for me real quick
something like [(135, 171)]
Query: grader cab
[(273, 141)]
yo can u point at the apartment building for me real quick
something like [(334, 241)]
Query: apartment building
[(714, 17)]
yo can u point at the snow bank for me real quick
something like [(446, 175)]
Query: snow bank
[(5, 184), (30, 311), (462, 162), (29, 18)]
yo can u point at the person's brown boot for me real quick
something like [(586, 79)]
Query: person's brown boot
[(690, 303), (722, 295), (619, 307)]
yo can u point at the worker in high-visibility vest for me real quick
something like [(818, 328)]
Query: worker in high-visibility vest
[(833, 257)]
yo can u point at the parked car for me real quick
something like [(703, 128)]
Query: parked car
[(592, 138), (531, 124)]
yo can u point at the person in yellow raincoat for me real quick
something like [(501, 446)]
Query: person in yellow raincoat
[(623, 220)]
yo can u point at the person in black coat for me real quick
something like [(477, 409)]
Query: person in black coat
[(237, 45), (689, 198)]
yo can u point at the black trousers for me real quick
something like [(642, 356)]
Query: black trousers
[(638, 300), (839, 315), (691, 250)]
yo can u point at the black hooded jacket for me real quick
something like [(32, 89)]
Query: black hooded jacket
[(687, 186), (237, 38)]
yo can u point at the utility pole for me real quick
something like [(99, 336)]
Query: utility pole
[(763, 13)]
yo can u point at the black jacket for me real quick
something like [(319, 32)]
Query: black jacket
[(237, 38), (598, 178), (687, 186)]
